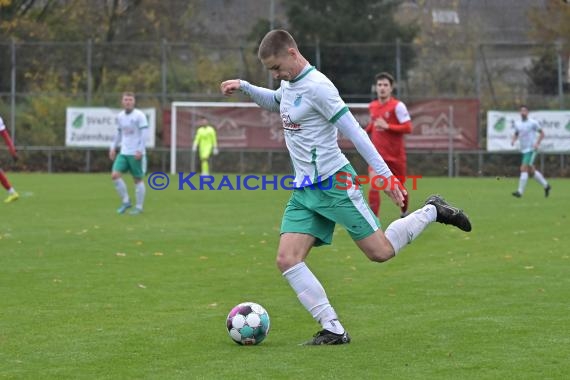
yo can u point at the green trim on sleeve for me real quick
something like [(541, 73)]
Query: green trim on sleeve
[(338, 115)]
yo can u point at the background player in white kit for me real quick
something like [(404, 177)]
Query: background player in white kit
[(132, 133), (312, 113), (530, 135)]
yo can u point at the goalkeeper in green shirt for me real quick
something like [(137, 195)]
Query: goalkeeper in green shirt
[(206, 142)]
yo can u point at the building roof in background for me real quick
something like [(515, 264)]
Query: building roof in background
[(230, 21), (498, 21), (503, 21)]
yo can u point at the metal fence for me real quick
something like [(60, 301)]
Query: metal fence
[(164, 71), (39, 80), (60, 159)]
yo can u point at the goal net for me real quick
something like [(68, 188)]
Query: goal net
[(239, 125)]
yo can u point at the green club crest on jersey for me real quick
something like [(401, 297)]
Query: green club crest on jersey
[(78, 121), (297, 100), (500, 124)]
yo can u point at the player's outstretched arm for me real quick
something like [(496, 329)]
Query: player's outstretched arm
[(349, 127), (228, 87), (264, 97)]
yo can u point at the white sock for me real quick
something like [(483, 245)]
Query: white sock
[(333, 326), (312, 296), (540, 178), (121, 189), (11, 191), (522, 182), (402, 231), (139, 194)]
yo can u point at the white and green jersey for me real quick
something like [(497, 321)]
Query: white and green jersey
[(527, 133), (309, 105), (130, 134), (312, 112)]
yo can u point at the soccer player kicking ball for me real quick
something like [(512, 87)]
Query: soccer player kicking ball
[(132, 132), (313, 112), (12, 194)]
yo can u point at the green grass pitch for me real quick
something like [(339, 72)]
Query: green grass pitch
[(86, 293)]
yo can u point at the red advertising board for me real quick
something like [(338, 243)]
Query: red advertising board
[(255, 128)]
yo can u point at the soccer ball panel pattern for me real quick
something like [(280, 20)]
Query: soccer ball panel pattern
[(248, 323)]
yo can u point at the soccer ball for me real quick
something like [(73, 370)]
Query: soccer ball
[(248, 323)]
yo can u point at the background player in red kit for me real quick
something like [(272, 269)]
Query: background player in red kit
[(389, 121), (12, 194)]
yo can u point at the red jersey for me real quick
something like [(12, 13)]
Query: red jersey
[(389, 142)]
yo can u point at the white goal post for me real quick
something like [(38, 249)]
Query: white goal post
[(175, 106)]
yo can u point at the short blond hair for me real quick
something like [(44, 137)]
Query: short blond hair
[(275, 43)]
